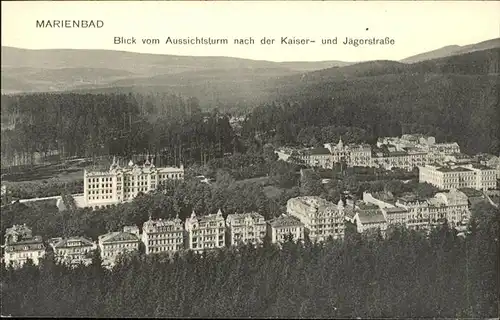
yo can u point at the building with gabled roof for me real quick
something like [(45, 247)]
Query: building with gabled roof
[(451, 206), (249, 227), (371, 220), (395, 215), (163, 235), (321, 218), (73, 250), (279, 228), (113, 244), (205, 232), (21, 245)]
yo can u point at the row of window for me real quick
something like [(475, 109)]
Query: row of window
[(106, 197), (171, 230), (209, 231), (27, 254), (167, 241), (165, 249), (119, 246), (100, 191), (99, 185), (208, 245), (107, 179), (207, 238)]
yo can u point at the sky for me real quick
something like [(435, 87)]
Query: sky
[(415, 26)]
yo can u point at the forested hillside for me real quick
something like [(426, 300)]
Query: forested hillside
[(86, 125), (406, 275), (454, 99)]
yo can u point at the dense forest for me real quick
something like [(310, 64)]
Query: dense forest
[(86, 125), (459, 108), (456, 102), (406, 275)]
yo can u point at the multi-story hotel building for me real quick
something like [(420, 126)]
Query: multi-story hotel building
[(451, 206), (313, 157), (418, 217), (410, 151), (21, 245), (395, 215), (407, 152), (279, 228), (352, 154), (73, 251), (420, 141), (247, 228), (163, 235), (370, 220), (473, 176), (106, 188), (406, 160), (320, 217), (113, 244), (205, 232)]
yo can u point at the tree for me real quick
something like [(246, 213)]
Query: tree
[(310, 183)]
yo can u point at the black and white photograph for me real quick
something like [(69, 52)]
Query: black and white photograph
[(250, 159)]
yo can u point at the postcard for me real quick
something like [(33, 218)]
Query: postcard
[(250, 159)]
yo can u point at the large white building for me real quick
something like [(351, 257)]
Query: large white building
[(163, 235), (113, 244), (418, 212), (73, 250), (420, 141), (422, 214), (106, 188), (205, 232), (283, 226), (320, 217), (354, 155), (451, 206), (406, 160), (448, 177), (406, 152), (21, 245), (246, 228), (370, 220)]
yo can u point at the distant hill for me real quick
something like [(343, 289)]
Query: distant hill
[(65, 69), (453, 50), (454, 98), (256, 86)]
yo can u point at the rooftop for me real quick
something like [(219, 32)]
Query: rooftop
[(71, 242), (161, 223), (365, 217), (253, 215), (452, 169), (117, 237), (410, 197), (366, 206), (481, 167), (285, 221), (319, 151), (394, 210), (34, 243), (211, 217)]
